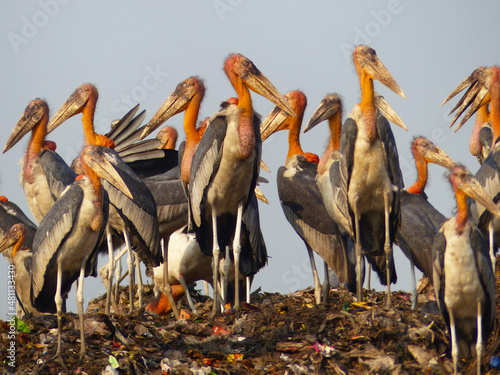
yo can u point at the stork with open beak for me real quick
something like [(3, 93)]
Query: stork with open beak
[(478, 83), (420, 221), (464, 280), (13, 246), (225, 168), (69, 235), (369, 168), (133, 216), (300, 196), (45, 174), (485, 89)]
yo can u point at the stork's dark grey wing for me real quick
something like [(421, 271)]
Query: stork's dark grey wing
[(420, 222), (139, 213), (50, 236), (59, 174), (487, 277), (304, 209), (205, 164), (11, 214), (438, 250)]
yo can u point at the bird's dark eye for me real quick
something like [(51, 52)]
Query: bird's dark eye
[(245, 62), (79, 91), (184, 84), (35, 106)]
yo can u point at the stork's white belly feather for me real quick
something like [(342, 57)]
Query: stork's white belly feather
[(463, 287), (231, 184), (369, 179), (37, 194)]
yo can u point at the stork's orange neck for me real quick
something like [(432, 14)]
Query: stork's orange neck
[(98, 220), (421, 165), (35, 146), (193, 136), (462, 211), (17, 245), (245, 125), (495, 112), (368, 109), (475, 145), (88, 121), (293, 137)]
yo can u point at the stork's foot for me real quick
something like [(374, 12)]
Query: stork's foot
[(58, 359), (83, 357)]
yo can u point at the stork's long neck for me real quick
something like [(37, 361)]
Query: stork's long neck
[(293, 137), (88, 121), (475, 145), (98, 220), (17, 246), (495, 114), (245, 126), (368, 108), (35, 146), (335, 126), (192, 136), (462, 211), (421, 164)]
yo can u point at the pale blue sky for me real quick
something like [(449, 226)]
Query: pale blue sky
[(137, 52)]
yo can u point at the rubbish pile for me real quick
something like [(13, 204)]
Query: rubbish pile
[(276, 334)]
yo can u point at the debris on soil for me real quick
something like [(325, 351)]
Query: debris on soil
[(276, 334)]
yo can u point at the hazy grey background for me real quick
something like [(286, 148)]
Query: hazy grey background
[(137, 52)]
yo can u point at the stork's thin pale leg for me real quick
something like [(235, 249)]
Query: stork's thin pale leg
[(207, 289), (359, 254), (317, 283), (387, 247), (454, 343), (414, 295), (492, 246), (167, 288), (118, 272), (479, 342), (79, 303), (111, 270), (248, 288), (369, 273), (226, 269), (131, 273), (140, 285), (215, 264), (326, 284), (188, 295), (237, 252), (59, 302)]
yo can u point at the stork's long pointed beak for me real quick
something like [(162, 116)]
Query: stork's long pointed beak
[(466, 82), (324, 111), (482, 98), (433, 154), (374, 67), (264, 166), (260, 195), (259, 83), (473, 189), (8, 240), (97, 161), (388, 112), (174, 104), (23, 126), (71, 107), (273, 123)]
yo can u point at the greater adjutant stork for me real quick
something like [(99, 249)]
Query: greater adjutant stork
[(69, 235), (226, 164), (14, 246), (420, 221), (369, 167), (485, 89), (464, 281), (300, 197), (45, 174), (135, 216)]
